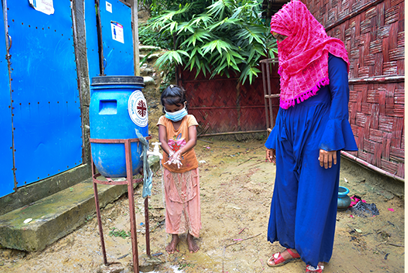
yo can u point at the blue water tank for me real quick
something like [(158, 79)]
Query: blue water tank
[(117, 108)]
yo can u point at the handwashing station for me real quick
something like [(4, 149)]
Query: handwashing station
[(119, 144)]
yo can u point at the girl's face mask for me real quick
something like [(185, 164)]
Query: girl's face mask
[(178, 115)]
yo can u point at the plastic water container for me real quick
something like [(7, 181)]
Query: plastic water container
[(117, 108), (343, 200)]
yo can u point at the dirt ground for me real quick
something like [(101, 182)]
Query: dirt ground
[(236, 189)]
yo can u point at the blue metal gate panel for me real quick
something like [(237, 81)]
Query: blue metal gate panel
[(6, 153), (91, 39), (118, 56), (47, 117)]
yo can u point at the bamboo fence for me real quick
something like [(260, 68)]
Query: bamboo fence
[(373, 32)]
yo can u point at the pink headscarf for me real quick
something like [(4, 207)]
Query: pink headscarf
[(303, 55)]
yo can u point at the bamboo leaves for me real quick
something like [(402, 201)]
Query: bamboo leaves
[(198, 35), (220, 8), (249, 72), (252, 32), (216, 37), (216, 44), (201, 20), (171, 57)]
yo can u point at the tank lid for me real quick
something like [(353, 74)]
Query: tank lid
[(109, 80)]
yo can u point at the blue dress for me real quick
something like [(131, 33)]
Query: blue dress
[(304, 202)]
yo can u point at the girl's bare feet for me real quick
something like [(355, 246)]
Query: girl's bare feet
[(192, 246), (171, 247)]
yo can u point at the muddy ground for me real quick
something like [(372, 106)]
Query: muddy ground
[(236, 190)]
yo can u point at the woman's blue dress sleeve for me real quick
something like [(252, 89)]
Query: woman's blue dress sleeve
[(338, 134), (270, 142)]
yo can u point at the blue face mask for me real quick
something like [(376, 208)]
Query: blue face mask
[(176, 116)]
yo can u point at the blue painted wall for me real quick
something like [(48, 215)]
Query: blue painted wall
[(46, 104), (40, 106)]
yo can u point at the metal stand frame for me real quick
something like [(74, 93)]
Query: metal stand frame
[(129, 182), (266, 76)]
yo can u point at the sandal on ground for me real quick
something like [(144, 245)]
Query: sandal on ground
[(318, 269), (279, 260)]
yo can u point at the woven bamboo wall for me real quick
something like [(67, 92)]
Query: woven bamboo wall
[(223, 105), (373, 32)]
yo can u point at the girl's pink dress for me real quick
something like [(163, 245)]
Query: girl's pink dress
[(182, 193)]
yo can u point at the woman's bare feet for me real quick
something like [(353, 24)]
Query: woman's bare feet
[(171, 248), (192, 246)]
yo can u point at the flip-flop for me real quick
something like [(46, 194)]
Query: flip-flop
[(318, 269), (279, 260)]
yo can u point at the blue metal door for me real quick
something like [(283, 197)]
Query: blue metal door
[(116, 22), (6, 145), (45, 97), (92, 49)]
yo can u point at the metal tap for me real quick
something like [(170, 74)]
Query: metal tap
[(156, 150)]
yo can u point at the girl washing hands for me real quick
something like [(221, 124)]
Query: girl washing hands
[(178, 136)]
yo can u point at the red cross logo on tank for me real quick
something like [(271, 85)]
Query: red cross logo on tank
[(137, 108), (141, 108)]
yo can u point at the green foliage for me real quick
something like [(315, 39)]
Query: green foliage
[(214, 37), (156, 7), (184, 265), (88, 218), (119, 233), (171, 57), (150, 37)]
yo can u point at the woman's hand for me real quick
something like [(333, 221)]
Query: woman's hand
[(327, 158), (270, 156)]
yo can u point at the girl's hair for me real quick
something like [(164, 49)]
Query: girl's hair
[(173, 95)]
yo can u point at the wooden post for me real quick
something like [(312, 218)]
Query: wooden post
[(135, 31)]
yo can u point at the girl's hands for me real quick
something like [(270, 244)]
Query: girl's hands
[(171, 153), (270, 156), (176, 155), (174, 158), (327, 158)]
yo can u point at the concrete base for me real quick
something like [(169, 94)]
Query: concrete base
[(33, 192), (54, 216)]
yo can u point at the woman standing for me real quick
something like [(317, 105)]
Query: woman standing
[(311, 128)]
